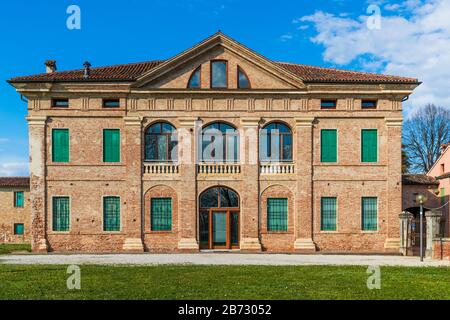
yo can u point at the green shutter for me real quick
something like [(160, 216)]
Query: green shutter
[(60, 145), (18, 229), (61, 214), (369, 214), (277, 215), (369, 145), (161, 214), (328, 145), (328, 214), (111, 145), (111, 214), (442, 196), (18, 199)]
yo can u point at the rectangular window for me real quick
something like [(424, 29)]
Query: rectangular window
[(328, 104), (18, 229), (111, 145), (369, 104), (442, 193), (60, 103), (60, 145), (61, 214), (111, 214), (161, 214), (369, 145), (219, 77), (18, 199), (328, 214), (328, 150), (111, 103), (369, 214), (277, 215)]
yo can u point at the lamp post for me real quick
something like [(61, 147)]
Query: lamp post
[(421, 199)]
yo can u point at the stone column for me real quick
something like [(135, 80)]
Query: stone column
[(187, 212), (304, 197), (394, 183), (433, 224), (132, 155), (250, 197), (38, 197), (405, 232)]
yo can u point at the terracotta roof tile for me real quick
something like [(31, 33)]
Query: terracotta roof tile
[(414, 179), (130, 72), (121, 72), (320, 74), (15, 182)]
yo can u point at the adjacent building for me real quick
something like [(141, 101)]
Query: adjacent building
[(15, 221), (217, 148)]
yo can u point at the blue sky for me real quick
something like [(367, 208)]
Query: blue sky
[(114, 32)]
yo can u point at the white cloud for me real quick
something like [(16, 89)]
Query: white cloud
[(286, 37), (416, 44), (10, 169)]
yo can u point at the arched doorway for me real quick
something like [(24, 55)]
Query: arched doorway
[(219, 219)]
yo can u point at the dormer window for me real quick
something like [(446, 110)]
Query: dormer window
[(60, 103), (219, 77), (194, 80), (242, 80)]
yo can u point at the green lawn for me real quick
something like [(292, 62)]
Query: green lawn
[(7, 248), (223, 282)]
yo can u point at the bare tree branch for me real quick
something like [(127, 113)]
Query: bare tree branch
[(423, 136)]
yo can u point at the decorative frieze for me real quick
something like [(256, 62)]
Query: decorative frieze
[(85, 104), (151, 104), (35, 104), (350, 104), (251, 105)]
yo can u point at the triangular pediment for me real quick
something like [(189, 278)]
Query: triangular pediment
[(262, 73)]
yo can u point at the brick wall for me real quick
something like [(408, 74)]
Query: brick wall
[(9, 215)]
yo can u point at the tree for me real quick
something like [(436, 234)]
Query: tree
[(424, 134)]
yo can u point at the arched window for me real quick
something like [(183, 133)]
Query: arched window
[(276, 143), (220, 143), (219, 76), (161, 142), (242, 79), (194, 80), (219, 197)]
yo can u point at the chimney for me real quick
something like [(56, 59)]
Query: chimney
[(50, 66), (87, 69)]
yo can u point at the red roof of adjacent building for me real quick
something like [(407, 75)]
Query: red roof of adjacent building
[(15, 182), (130, 72), (418, 179)]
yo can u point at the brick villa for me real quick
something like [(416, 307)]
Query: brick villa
[(215, 148)]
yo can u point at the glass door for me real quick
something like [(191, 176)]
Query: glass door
[(219, 230)]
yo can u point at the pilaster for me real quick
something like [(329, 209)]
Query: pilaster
[(394, 182), (187, 155), (132, 217), (304, 197), (38, 198), (250, 194)]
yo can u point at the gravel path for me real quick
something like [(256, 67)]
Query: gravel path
[(218, 259)]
